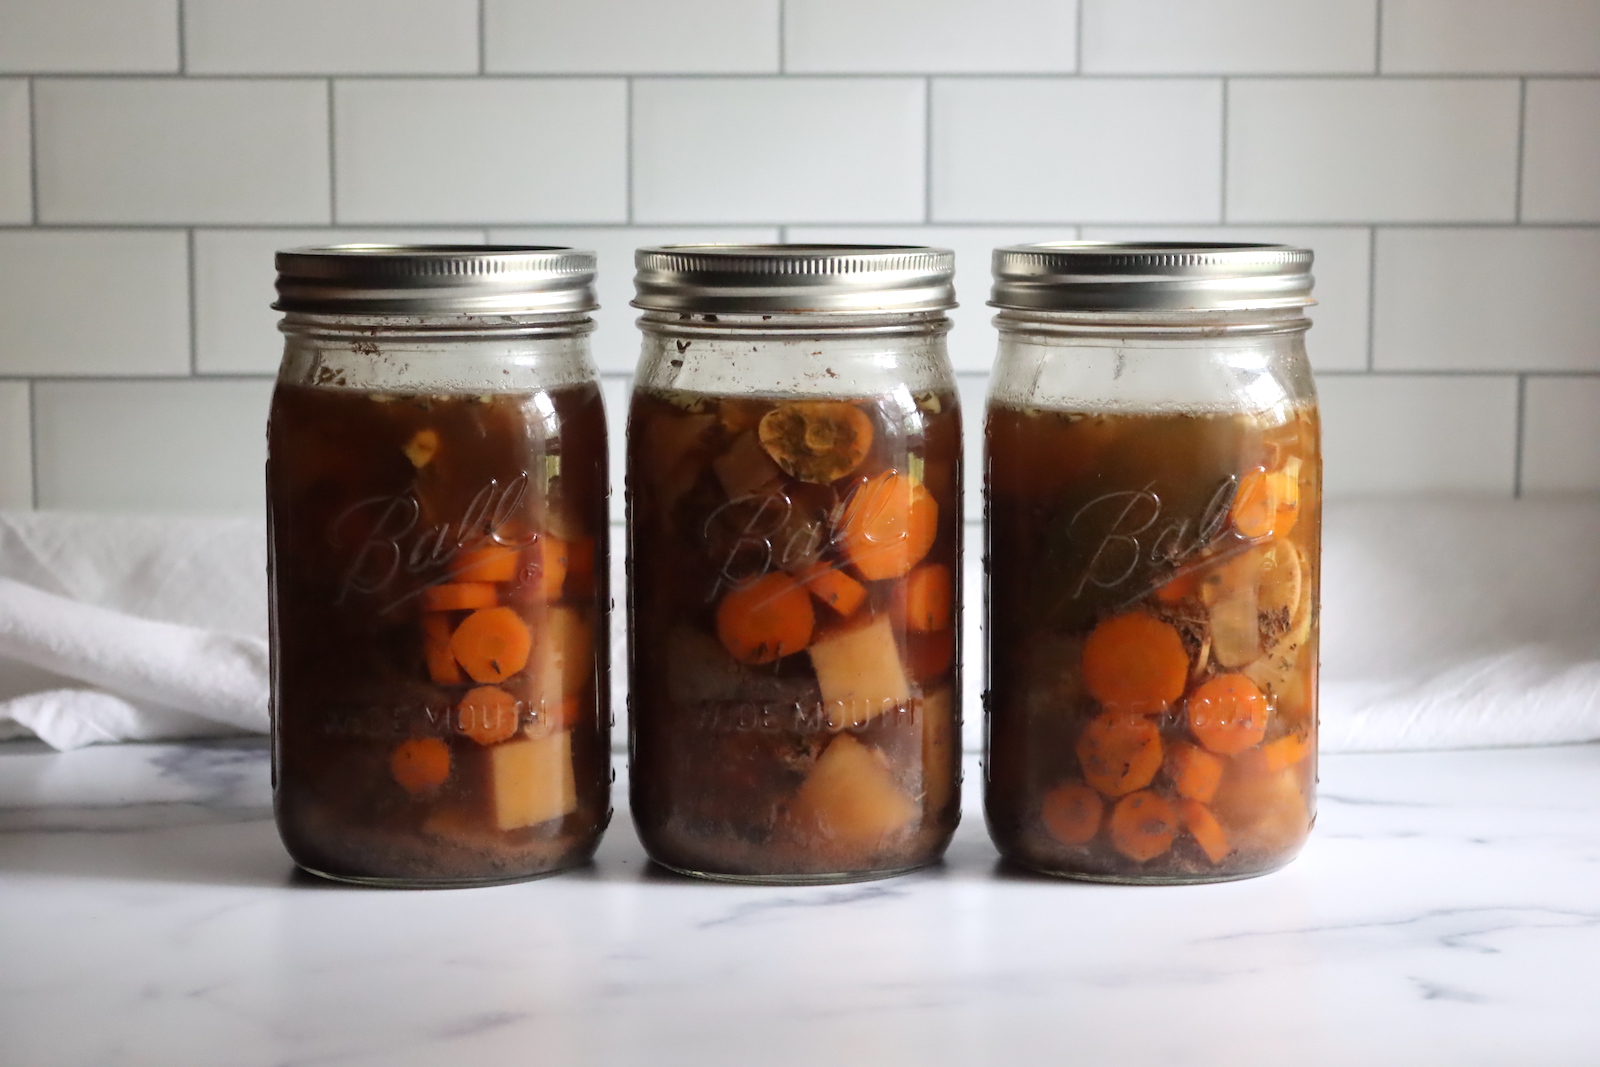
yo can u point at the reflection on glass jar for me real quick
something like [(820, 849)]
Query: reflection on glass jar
[(437, 488), (794, 549), (1153, 493)]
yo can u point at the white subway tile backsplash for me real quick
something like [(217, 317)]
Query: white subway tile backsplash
[(482, 150), (1491, 37), (1229, 36), (972, 338), (1497, 298), (628, 37), (617, 390), (1561, 152), (99, 36), (16, 447), (331, 36), (1342, 268), (1393, 434), (1372, 150), (82, 302), (158, 446), (930, 36), (125, 150), (728, 150), (16, 154), (1561, 435), (1114, 150), (236, 330), (615, 340)]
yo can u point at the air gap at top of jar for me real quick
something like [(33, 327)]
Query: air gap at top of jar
[(1153, 489), (437, 508), (794, 541)]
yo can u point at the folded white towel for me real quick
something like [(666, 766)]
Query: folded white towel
[(120, 628)]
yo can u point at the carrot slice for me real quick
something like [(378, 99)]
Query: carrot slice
[(1143, 825), (1286, 751), (492, 644), (816, 441), (421, 764), (833, 587), (458, 596), (490, 563), (1195, 773), (887, 525), (1178, 589), (1254, 508), (1120, 751), (442, 666), (422, 447), (1071, 812), (1205, 829), (487, 714), (1135, 662), (766, 620), (928, 597), (1228, 714)]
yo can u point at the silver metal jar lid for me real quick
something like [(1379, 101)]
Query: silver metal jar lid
[(363, 279), (1150, 276), (830, 279)]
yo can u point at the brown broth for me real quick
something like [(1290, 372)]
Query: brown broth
[(1094, 516), (837, 757), (383, 508)]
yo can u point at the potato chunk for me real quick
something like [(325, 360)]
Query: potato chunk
[(531, 781), (859, 673), (850, 797)]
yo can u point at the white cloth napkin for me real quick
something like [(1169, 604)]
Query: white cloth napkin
[(1446, 624), (118, 628), (1460, 623)]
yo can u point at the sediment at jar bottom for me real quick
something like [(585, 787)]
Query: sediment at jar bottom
[(793, 621), (439, 606), (1152, 637)]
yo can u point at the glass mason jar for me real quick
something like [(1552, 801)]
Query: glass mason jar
[(1153, 494), (794, 548), (436, 482)]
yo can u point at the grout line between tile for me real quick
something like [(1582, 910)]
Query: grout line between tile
[(1377, 39), (627, 149), (927, 150), (845, 75), (1522, 141), (1077, 38), (33, 444), (194, 309), (333, 167), (183, 39), (1522, 429), (1222, 190), (1372, 296), (483, 40), (33, 149), (783, 36)]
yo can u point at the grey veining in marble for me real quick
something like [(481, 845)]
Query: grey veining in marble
[(1447, 911)]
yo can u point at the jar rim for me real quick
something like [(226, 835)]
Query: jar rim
[(1171, 276), (423, 279), (812, 279)]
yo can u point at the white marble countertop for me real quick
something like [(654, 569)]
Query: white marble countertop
[(1447, 911)]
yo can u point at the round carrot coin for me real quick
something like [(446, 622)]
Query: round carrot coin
[(766, 620), (1071, 812), (492, 644), (1205, 829), (1228, 714), (1254, 508), (1135, 662), (1120, 751), (421, 764), (487, 714), (928, 597), (1143, 825), (887, 525)]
